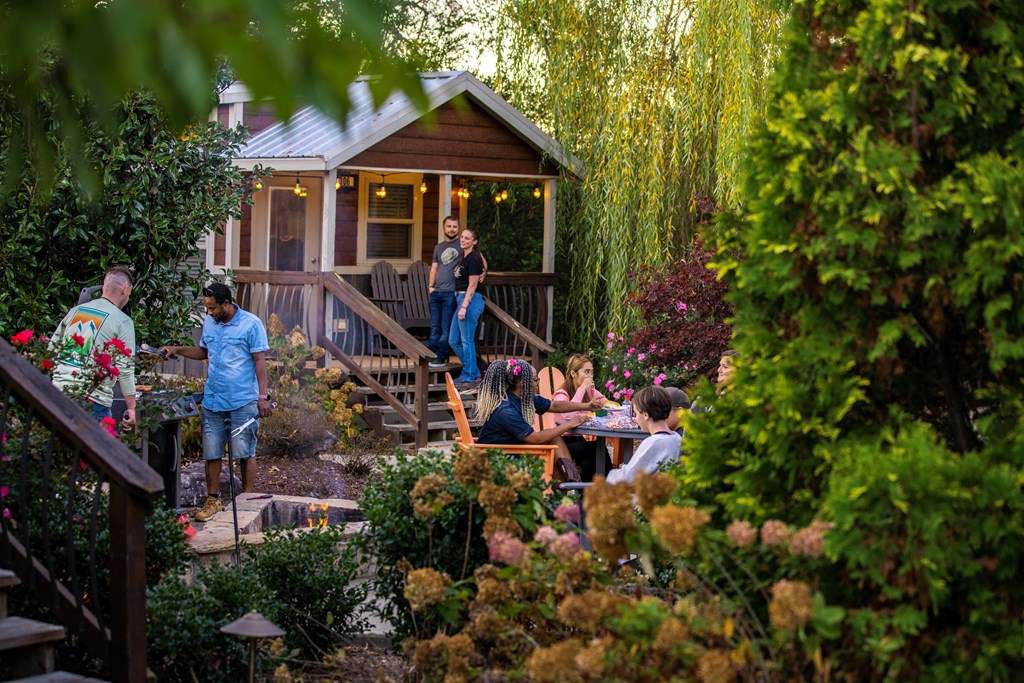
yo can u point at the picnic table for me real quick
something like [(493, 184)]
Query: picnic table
[(625, 438)]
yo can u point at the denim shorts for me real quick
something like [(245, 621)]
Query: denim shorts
[(217, 426)]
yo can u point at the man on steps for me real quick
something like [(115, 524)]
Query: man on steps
[(235, 344), (447, 256)]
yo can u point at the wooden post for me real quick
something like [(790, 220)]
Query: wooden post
[(422, 402), (128, 584)]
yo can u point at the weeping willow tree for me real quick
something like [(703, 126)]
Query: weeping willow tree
[(656, 98)]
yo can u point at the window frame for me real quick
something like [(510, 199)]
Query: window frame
[(367, 184)]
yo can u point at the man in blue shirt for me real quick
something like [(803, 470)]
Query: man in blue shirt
[(234, 342)]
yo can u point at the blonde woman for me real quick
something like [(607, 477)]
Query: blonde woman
[(578, 387)]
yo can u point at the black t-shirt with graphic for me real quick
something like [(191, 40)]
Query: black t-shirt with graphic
[(473, 264)]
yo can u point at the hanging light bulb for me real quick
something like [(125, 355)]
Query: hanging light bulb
[(337, 183), (504, 195), (303, 192), (382, 191), (537, 191), (497, 198), (298, 188), (423, 187), (258, 185)]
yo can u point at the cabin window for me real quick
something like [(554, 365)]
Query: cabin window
[(392, 225)]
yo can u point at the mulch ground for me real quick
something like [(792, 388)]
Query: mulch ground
[(310, 477)]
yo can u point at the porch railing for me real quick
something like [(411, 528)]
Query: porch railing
[(524, 296), (376, 350), (73, 520)]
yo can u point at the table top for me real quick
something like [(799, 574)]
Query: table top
[(608, 432)]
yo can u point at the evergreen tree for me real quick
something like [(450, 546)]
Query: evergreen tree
[(879, 316)]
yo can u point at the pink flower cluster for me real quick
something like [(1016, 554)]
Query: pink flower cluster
[(568, 512), (505, 548)]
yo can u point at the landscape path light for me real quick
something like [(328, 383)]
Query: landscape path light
[(253, 626)]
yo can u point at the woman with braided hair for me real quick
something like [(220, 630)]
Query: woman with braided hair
[(507, 405)]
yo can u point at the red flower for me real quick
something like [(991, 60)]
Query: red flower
[(23, 337), (46, 365), (119, 345), (78, 339), (114, 372), (110, 425), (103, 360)]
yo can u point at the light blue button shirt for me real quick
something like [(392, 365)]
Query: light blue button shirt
[(231, 376)]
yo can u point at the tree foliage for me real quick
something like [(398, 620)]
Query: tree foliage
[(880, 319), (162, 191), (657, 100), (95, 54)]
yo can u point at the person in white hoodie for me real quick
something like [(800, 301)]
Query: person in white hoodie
[(652, 406)]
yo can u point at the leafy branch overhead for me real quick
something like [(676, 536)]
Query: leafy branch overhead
[(96, 54)]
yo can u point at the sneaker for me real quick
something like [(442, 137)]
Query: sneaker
[(211, 507), (437, 363)]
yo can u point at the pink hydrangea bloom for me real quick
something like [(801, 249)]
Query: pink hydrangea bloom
[(568, 512), (741, 533), (567, 545), (774, 532), (545, 535), (508, 549), (810, 541)]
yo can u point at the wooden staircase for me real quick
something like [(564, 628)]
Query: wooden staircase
[(386, 421), (26, 645)]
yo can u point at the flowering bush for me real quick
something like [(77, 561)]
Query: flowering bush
[(492, 582), (685, 329), (312, 405)]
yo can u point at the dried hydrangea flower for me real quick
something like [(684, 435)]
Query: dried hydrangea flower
[(741, 532), (774, 532), (424, 587), (678, 527), (791, 605)]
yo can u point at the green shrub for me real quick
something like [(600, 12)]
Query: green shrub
[(442, 529), (875, 269), (303, 581)]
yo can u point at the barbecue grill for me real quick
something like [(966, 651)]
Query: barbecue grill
[(160, 445)]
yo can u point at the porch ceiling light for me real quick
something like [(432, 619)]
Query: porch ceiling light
[(382, 190), (463, 189)]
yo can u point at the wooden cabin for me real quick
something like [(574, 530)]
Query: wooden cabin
[(344, 196)]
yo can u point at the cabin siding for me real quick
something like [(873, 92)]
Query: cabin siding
[(257, 117), (346, 228), (463, 139)]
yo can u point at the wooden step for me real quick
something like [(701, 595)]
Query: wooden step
[(8, 580), (26, 646), (17, 632), (58, 677)]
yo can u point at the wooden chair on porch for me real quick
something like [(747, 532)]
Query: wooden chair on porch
[(466, 440), (409, 306)]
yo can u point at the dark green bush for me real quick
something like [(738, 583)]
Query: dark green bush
[(880, 320), (303, 581)]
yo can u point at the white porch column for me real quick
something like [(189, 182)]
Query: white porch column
[(548, 255), (230, 238), (444, 207), (330, 209)]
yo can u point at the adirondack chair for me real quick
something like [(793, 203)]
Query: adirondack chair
[(466, 440), (408, 306), (548, 381)]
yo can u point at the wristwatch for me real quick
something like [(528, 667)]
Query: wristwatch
[(264, 397)]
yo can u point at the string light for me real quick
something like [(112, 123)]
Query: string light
[(537, 191), (423, 187), (337, 183), (504, 195), (382, 191), (497, 198), (258, 185), (298, 188)]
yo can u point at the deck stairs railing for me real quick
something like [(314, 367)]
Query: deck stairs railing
[(72, 528), (406, 397)]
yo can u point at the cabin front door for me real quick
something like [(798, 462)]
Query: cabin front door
[(293, 228)]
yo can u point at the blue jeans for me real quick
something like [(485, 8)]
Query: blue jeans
[(217, 428), (442, 310), (97, 411), (463, 336)]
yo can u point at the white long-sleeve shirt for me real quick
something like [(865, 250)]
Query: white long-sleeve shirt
[(654, 450)]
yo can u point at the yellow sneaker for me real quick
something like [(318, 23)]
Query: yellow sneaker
[(211, 507)]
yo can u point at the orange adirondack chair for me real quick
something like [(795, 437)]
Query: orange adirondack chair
[(466, 440), (548, 381)]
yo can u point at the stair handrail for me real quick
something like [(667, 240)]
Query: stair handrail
[(397, 335), (134, 487), (539, 348)]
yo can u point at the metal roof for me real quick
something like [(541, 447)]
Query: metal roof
[(311, 137)]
